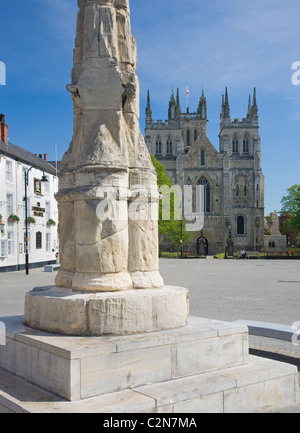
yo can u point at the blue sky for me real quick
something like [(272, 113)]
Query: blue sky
[(214, 44)]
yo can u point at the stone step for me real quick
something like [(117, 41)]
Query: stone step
[(76, 368), (262, 385)]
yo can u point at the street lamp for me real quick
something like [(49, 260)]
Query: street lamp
[(43, 179)]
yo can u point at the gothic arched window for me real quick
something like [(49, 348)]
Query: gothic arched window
[(188, 138), (203, 181), (202, 158), (158, 146), (195, 135), (246, 144), (240, 225), (169, 146), (235, 144)]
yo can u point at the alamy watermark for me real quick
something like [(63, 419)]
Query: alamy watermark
[(2, 74), (296, 75), (142, 204), (2, 334)]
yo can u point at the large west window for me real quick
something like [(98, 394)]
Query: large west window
[(204, 182)]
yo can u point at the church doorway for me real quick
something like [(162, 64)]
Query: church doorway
[(202, 246)]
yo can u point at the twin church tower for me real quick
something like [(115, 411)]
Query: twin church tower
[(232, 177)]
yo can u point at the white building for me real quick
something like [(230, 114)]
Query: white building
[(41, 207)]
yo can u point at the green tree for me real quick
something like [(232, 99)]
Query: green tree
[(172, 228), (291, 206)]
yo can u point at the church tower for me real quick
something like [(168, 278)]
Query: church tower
[(243, 181)]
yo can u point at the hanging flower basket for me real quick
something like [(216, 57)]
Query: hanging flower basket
[(51, 222), (30, 220), (13, 219)]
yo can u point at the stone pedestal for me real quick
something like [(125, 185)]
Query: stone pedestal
[(118, 313), (202, 367)]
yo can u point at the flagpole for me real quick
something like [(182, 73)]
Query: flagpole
[(187, 98)]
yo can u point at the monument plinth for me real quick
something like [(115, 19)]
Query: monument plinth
[(108, 197), (109, 337)]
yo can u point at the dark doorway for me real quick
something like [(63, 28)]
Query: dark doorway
[(202, 247)]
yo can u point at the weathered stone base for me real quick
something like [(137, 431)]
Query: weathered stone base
[(118, 313), (203, 367), (232, 390)]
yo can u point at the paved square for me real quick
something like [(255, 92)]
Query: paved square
[(263, 290)]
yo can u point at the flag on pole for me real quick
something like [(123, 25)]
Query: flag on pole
[(187, 98)]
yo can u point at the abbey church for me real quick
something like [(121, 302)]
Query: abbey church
[(232, 176)]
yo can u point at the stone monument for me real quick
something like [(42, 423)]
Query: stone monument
[(109, 337), (109, 280)]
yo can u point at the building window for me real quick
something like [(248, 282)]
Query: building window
[(245, 191), (235, 145), (237, 191), (203, 181), (158, 146), (169, 146), (240, 225), (202, 158), (246, 144), (38, 241), (9, 204), (195, 135), (47, 210), (10, 244), (3, 249), (48, 242), (9, 175), (188, 138)]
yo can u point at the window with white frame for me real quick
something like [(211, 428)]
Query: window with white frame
[(10, 244), (9, 171), (48, 242), (9, 204), (3, 248), (47, 210)]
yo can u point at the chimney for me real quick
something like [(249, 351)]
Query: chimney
[(40, 155), (3, 129), (45, 157)]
